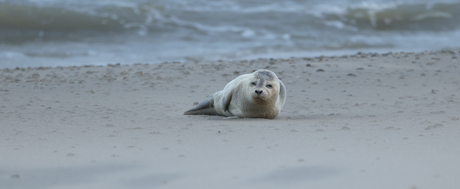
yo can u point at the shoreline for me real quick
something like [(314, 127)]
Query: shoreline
[(285, 57), (349, 120)]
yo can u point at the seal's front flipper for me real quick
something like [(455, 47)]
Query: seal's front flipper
[(282, 94), (204, 108), (226, 99)]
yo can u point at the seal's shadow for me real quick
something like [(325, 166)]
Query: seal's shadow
[(278, 118)]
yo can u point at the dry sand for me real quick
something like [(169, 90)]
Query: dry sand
[(358, 121)]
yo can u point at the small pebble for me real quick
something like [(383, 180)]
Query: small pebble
[(438, 125), (346, 128), (15, 176)]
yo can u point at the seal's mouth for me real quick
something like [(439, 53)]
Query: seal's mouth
[(259, 98)]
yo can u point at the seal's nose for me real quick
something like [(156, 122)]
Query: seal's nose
[(258, 92)]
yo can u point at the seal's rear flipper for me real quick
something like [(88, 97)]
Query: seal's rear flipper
[(204, 108)]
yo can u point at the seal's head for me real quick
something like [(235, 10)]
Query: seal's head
[(264, 86)]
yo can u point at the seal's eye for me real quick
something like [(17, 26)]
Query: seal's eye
[(269, 86), (254, 83)]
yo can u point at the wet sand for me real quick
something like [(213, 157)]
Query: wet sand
[(357, 121)]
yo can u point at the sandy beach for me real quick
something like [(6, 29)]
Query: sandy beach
[(356, 121)]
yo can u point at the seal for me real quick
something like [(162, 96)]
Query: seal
[(257, 95)]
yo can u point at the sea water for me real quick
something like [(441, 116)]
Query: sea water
[(36, 33)]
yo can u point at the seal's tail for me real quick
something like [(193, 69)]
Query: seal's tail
[(204, 108)]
